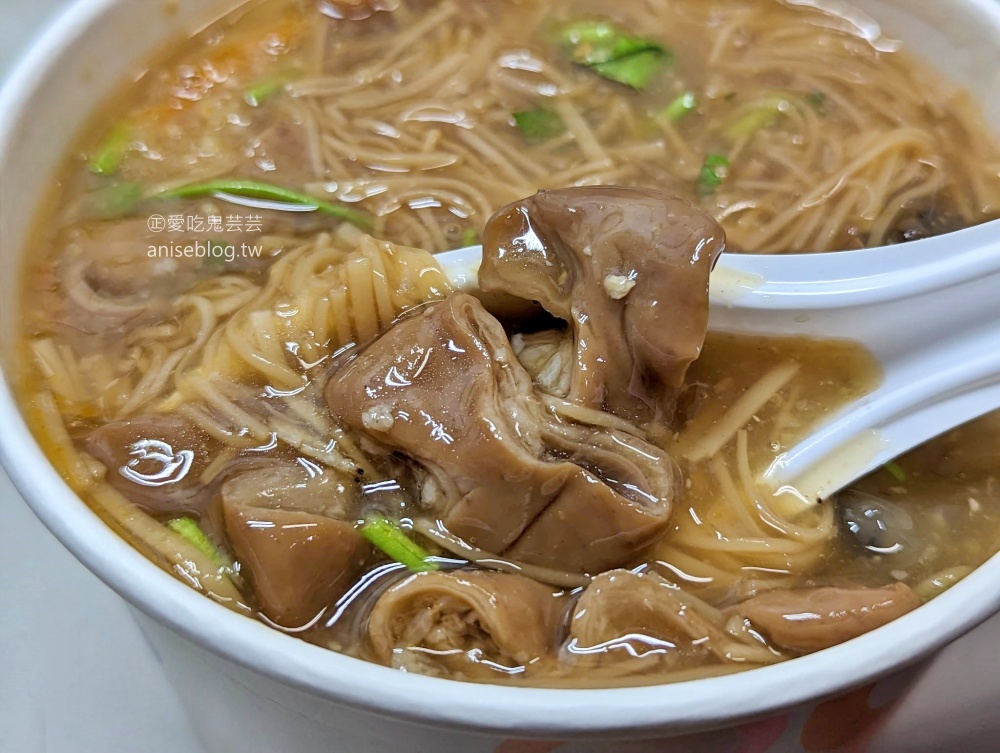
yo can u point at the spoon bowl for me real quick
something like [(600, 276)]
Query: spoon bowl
[(929, 313)]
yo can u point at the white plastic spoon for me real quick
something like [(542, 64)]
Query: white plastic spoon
[(929, 312)]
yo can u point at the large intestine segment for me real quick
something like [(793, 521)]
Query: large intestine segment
[(496, 467)]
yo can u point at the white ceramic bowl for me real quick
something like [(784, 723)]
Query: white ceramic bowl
[(250, 688)]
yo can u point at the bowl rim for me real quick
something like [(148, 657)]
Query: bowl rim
[(526, 712)]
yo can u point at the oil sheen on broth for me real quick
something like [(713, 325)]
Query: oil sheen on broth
[(188, 399)]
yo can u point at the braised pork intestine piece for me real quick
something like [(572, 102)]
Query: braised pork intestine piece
[(444, 388), (624, 614), (155, 460), (99, 285), (616, 500), (811, 619), (628, 269), (165, 463), (463, 618), (288, 529)]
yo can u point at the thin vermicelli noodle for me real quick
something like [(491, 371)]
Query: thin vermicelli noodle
[(743, 410), (850, 151), (279, 398)]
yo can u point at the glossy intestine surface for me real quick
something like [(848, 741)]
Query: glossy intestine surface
[(585, 478)]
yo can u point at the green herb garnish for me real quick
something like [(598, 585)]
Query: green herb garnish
[(756, 116), (109, 155), (712, 174), (256, 94), (684, 104), (257, 190), (391, 539), (817, 101), (112, 202), (614, 53), (469, 237), (635, 70), (190, 531), (539, 124), (895, 470)]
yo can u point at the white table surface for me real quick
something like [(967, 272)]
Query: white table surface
[(77, 677)]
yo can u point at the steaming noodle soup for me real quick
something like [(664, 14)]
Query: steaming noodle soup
[(243, 355)]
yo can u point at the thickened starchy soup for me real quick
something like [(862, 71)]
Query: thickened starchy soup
[(241, 352)]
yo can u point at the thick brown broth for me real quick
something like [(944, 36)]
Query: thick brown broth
[(942, 506), (830, 143), (199, 371)]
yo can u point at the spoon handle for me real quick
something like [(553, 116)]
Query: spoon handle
[(922, 396), (929, 312)]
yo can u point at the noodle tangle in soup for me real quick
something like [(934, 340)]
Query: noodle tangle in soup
[(279, 397)]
